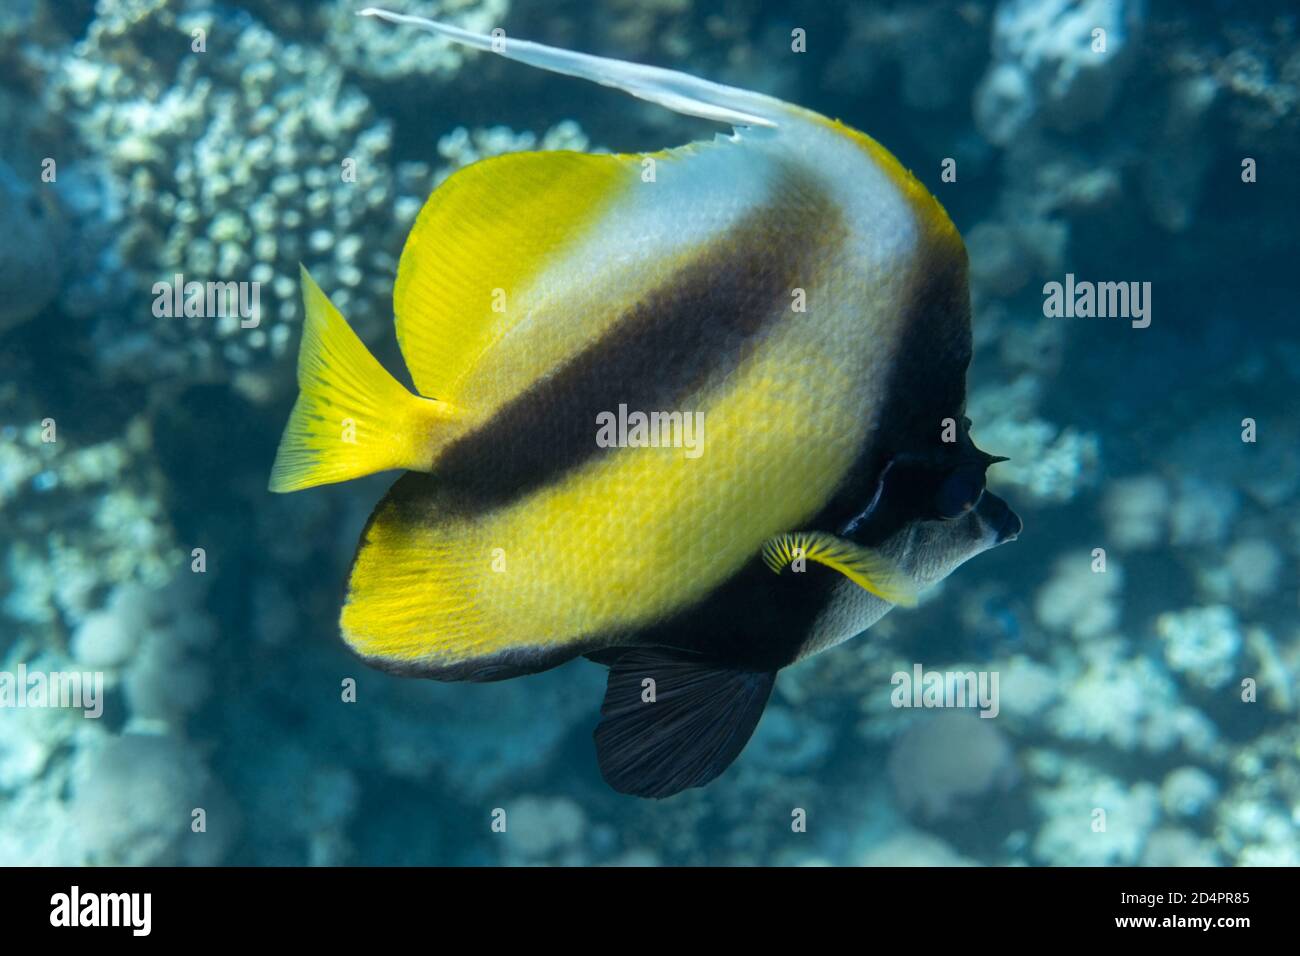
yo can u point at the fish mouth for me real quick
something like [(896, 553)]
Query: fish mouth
[(1009, 528), (997, 514)]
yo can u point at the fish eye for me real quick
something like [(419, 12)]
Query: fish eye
[(960, 492)]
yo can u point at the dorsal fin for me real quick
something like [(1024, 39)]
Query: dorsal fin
[(679, 92), (486, 233)]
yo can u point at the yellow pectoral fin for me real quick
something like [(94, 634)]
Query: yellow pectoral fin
[(864, 567)]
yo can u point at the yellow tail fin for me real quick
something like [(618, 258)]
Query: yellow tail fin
[(351, 418)]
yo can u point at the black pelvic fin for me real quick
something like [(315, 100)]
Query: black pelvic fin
[(683, 730)]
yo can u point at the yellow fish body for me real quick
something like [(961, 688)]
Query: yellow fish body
[(790, 288)]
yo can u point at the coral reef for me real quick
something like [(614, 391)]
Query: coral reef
[(31, 242), (1201, 644), (1092, 819), (237, 156), (1055, 62), (376, 51), (945, 764)]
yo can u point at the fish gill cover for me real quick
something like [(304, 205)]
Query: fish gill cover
[(1117, 687)]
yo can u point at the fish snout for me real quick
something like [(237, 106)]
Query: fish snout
[(1004, 524)]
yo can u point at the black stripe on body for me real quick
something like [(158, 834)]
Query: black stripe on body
[(927, 384), (754, 619), (761, 620), (680, 338)]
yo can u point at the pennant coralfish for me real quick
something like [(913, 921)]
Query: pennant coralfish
[(789, 286)]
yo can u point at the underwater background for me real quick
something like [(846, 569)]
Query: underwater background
[(137, 537)]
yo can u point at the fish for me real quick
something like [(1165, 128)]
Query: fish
[(789, 289)]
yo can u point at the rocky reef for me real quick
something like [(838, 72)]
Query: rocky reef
[(1144, 628)]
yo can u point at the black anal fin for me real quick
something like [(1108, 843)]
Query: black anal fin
[(683, 730), (605, 657)]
